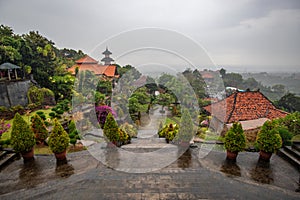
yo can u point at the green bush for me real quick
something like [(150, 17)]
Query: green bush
[(186, 131), (286, 136), (22, 137), (52, 115), (59, 139), (235, 140), (111, 129), (268, 138), (73, 141), (72, 126), (39, 128)]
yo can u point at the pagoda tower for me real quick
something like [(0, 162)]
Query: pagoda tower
[(107, 60)]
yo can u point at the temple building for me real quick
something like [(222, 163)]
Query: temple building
[(105, 70)]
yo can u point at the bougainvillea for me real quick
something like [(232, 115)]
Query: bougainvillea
[(102, 112)]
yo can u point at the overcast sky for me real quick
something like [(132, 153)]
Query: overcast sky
[(246, 34)]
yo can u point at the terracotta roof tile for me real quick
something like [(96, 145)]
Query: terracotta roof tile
[(242, 106), (86, 59)]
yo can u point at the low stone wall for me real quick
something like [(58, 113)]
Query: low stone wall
[(14, 93)]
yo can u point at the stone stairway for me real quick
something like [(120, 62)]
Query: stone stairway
[(6, 157), (291, 154)]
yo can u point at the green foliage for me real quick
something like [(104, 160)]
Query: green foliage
[(169, 131), (22, 137), (59, 139), (268, 138), (235, 140), (290, 102), (131, 130), (99, 98), (286, 136), (73, 141), (39, 95), (186, 131), (41, 115), (72, 126), (111, 128), (139, 101), (291, 122), (39, 128)]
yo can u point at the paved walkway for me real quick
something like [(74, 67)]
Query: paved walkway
[(191, 176), (187, 178)]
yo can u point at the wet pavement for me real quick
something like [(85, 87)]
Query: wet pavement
[(190, 177)]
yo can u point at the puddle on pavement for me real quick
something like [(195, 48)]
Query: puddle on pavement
[(63, 169), (230, 168), (262, 172)]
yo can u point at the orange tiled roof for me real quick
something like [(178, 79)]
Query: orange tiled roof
[(242, 106), (110, 71), (86, 59), (90, 64)]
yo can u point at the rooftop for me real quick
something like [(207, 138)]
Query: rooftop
[(242, 106)]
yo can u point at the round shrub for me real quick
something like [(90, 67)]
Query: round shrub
[(268, 138), (235, 140)]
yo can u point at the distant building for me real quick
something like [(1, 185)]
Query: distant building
[(250, 108), (107, 70)]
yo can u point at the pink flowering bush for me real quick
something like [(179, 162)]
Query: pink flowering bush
[(102, 112)]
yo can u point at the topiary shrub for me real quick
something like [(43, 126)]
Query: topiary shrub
[(268, 138), (39, 129), (186, 131), (111, 129), (59, 139), (22, 137), (235, 140)]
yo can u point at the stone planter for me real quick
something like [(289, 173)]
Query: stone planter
[(28, 156), (266, 156), (61, 156), (231, 155)]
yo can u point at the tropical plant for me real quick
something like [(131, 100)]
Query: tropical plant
[(22, 137), (235, 140), (58, 139), (268, 138), (39, 128), (131, 130)]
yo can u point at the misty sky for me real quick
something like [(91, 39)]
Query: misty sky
[(246, 34)]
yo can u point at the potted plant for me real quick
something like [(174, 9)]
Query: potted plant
[(59, 141), (268, 140), (235, 141), (22, 138), (111, 129), (39, 129)]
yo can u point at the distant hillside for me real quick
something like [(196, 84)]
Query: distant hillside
[(291, 81)]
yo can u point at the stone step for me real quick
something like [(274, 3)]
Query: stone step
[(7, 159), (292, 151), (285, 154), (2, 154), (296, 146)]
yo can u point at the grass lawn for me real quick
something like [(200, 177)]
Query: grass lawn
[(296, 138), (27, 118)]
